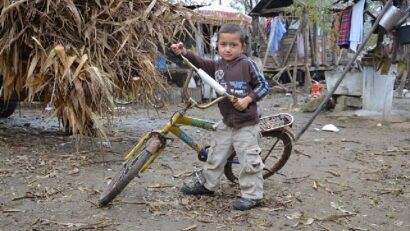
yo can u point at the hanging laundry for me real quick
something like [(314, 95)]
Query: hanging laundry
[(344, 31), (300, 41), (268, 21), (294, 25), (277, 30), (356, 29)]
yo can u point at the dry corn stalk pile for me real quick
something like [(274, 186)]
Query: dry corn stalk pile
[(78, 54)]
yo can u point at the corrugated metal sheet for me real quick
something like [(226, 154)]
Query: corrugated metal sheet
[(265, 7)]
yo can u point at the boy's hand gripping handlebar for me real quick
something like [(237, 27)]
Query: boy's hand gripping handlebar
[(210, 81)]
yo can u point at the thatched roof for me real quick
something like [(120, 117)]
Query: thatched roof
[(79, 54)]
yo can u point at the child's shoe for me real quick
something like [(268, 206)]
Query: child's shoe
[(196, 189), (246, 204)]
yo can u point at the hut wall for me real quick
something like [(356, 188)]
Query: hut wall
[(325, 56)]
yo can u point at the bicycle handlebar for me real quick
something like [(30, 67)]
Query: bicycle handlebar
[(210, 81), (206, 78)]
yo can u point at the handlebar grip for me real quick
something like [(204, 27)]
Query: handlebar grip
[(211, 82), (173, 57)]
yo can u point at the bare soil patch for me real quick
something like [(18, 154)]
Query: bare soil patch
[(355, 179)]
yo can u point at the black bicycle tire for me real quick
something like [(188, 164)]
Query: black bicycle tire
[(155, 102), (284, 157), (7, 108), (121, 179)]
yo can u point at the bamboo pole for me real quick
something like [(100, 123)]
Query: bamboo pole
[(347, 68)]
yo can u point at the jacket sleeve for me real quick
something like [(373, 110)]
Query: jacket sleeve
[(208, 66), (258, 83)]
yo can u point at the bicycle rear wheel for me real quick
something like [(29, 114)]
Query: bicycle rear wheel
[(157, 100), (128, 171), (276, 149)]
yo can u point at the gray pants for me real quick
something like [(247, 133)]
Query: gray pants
[(245, 142)]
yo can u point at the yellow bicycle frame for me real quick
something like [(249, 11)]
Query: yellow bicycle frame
[(173, 126)]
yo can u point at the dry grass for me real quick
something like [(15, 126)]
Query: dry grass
[(79, 54)]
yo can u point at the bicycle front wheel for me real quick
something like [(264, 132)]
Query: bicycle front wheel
[(276, 149), (129, 170)]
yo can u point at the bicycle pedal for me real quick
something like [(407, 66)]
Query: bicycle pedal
[(169, 140), (203, 154), (202, 157)]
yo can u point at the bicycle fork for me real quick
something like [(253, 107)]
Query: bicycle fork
[(154, 147)]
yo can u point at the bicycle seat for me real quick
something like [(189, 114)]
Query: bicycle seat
[(272, 122)]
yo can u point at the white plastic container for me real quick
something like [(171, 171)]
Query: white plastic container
[(377, 90), (352, 83)]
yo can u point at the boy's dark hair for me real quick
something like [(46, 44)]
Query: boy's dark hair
[(232, 29)]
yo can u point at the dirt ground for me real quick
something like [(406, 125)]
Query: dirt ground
[(354, 179)]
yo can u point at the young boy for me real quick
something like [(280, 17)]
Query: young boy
[(240, 129)]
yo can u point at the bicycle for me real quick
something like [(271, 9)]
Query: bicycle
[(274, 132), (155, 100)]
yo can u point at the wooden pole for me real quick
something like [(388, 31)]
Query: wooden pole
[(199, 40), (289, 51), (312, 46), (347, 68), (314, 41), (324, 58), (278, 76), (308, 78), (405, 73), (294, 82)]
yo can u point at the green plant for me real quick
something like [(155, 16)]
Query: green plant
[(315, 11), (391, 215)]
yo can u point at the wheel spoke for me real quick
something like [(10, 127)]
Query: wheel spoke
[(276, 149), (270, 150)]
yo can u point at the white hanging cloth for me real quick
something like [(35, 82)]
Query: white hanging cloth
[(356, 28)]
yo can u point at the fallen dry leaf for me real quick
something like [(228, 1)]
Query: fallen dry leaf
[(302, 153), (12, 211), (315, 185), (183, 174), (74, 171), (192, 227), (293, 216), (161, 186), (265, 224), (333, 173), (336, 217), (309, 221)]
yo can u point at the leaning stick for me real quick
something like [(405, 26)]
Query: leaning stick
[(347, 68)]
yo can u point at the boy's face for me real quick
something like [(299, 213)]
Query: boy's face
[(230, 46)]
